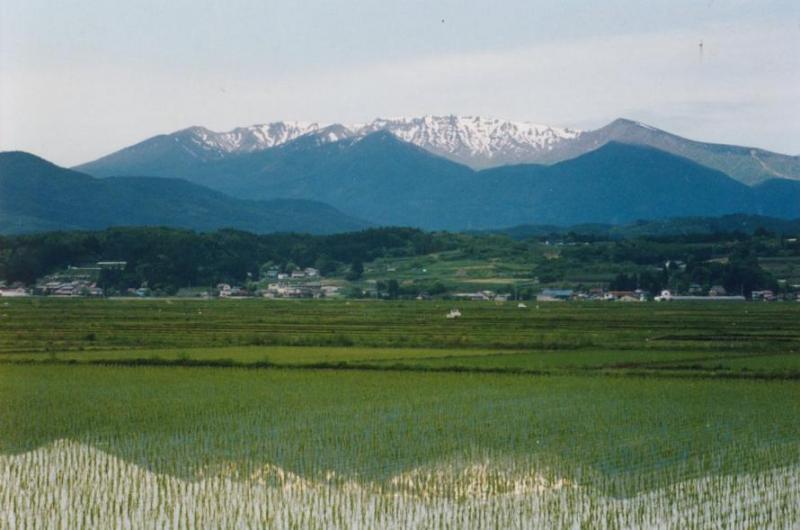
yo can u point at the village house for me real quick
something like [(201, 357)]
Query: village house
[(293, 290), (666, 296), (596, 293), (61, 287), (329, 291), (616, 295), (554, 295), (66, 289), (717, 290), (13, 292), (229, 291), (627, 296), (764, 296), (479, 296)]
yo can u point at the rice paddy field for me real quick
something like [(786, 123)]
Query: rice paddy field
[(329, 414)]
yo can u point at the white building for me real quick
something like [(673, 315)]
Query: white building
[(13, 293)]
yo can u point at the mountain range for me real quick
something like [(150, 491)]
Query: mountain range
[(472, 141), (36, 195), (388, 181), (748, 165), (328, 178)]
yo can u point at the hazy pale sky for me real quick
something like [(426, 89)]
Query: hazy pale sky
[(81, 78)]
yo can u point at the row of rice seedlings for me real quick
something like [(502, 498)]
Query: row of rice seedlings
[(192, 423), (72, 485)]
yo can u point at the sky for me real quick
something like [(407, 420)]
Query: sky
[(82, 78)]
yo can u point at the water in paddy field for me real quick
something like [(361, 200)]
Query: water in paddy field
[(72, 485)]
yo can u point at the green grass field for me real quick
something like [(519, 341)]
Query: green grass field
[(734, 339), (386, 414)]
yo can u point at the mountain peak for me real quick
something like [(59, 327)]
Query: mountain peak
[(18, 159), (628, 124), (474, 140), (253, 137), (21, 155), (194, 130), (381, 135)]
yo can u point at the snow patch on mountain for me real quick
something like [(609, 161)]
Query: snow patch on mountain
[(472, 140), (249, 139)]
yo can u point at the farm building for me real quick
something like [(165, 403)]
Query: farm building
[(8, 292), (554, 295), (477, 296), (667, 296)]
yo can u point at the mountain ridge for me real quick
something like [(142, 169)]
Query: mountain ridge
[(749, 165), (477, 142), (38, 195), (386, 181), (390, 182), (471, 140)]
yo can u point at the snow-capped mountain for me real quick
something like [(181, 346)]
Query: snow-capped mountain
[(248, 139), (176, 153), (475, 141)]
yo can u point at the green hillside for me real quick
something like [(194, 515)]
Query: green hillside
[(36, 195)]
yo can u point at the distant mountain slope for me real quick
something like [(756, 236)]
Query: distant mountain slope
[(473, 141), (617, 184), (476, 141), (745, 164), (778, 197), (391, 182), (377, 177), (181, 152), (37, 195)]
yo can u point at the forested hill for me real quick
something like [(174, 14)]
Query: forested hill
[(389, 182), (174, 257), (168, 259), (36, 195)]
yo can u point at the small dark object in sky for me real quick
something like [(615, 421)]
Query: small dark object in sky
[(442, 21)]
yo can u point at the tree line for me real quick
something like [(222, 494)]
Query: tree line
[(168, 258)]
